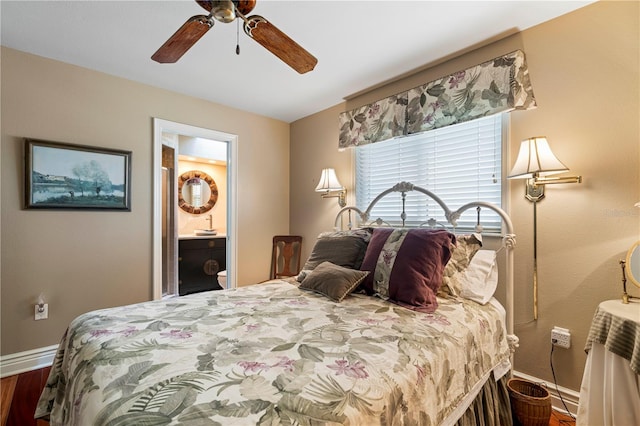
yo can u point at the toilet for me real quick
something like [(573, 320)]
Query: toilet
[(222, 278)]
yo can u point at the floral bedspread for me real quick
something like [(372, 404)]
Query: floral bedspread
[(270, 354)]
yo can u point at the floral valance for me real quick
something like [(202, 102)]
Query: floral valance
[(499, 85)]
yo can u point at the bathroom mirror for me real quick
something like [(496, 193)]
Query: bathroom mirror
[(197, 192), (632, 264)]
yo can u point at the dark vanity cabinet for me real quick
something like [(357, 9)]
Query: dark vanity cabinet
[(199, 261)]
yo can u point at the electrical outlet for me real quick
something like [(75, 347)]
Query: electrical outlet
[(41, 313), (561, 337)]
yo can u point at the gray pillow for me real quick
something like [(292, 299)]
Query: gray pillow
[(333, 281), (345, 251)]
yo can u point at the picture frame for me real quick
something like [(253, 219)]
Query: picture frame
[(66, 176)]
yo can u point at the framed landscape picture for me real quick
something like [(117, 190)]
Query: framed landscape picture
[(65, 176)]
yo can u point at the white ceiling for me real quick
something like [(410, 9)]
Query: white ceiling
[(358, 44)]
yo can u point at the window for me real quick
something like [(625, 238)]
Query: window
[(459, 163)]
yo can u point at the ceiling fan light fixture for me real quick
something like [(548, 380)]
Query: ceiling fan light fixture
[(224, 11), (258, 28)]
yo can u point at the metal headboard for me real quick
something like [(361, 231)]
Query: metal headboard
[(452, 216)]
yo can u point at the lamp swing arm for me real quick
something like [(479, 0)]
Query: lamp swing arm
[(548, 180)]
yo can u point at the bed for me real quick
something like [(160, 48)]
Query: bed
[(345, 342)]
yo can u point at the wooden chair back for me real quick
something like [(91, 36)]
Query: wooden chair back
[(285, 257)]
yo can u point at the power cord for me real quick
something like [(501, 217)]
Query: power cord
[(555, 382)]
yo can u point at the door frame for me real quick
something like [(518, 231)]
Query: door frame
[(160, 126)]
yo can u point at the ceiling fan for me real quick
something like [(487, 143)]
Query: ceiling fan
[(256, 27)]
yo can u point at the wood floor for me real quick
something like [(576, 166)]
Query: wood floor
[(560, 419), (20, 395)]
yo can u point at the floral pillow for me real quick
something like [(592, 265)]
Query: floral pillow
[(406, 265), (462, 252)]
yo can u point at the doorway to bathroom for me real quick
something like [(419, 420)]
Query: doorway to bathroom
[(180, 149)]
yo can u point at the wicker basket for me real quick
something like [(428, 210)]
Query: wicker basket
[(530, 403)]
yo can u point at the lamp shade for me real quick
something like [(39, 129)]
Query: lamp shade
[(535, 158), (329, 181)]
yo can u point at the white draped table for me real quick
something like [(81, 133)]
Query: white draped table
[(610, 390)]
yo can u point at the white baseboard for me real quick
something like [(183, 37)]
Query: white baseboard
[(569, 396), (22, 362)]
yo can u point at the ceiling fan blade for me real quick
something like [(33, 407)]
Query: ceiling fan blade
[(182, 40), (278, 43)]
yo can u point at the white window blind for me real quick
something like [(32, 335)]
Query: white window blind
[(459, 163)]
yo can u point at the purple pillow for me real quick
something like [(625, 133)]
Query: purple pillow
[(406, 265)]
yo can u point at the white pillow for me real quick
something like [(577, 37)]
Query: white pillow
[(479, 281)]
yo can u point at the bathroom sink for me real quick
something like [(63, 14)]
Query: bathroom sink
[(205, 232)]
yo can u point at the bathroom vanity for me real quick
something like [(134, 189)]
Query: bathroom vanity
[(200, 258)]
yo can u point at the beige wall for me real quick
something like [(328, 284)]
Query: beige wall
[(584, 71), (83, 260)]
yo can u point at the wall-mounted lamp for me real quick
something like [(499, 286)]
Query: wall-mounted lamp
[(536, 163), (330, 187)]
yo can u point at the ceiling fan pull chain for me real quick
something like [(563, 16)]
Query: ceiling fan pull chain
[(237, 37)]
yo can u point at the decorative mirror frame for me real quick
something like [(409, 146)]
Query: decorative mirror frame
[(635, 249), (213, 197)]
